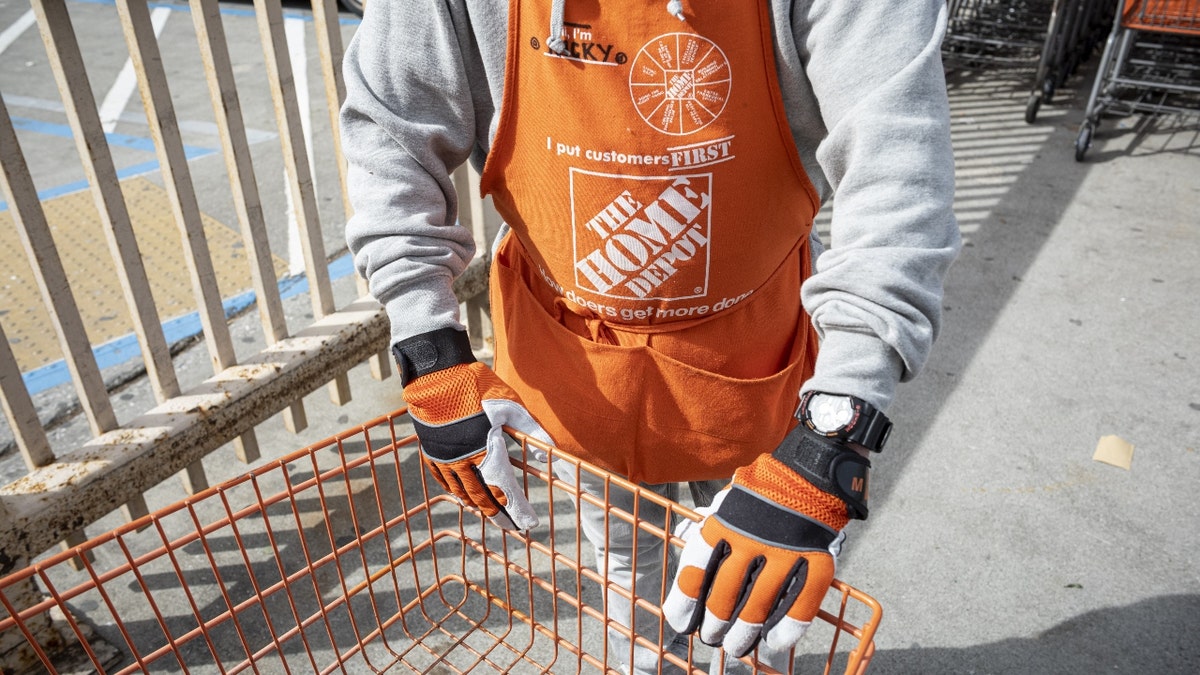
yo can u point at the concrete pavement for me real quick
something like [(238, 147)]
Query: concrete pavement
[(996, 543)]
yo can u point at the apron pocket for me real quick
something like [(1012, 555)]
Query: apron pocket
[(631, 409)]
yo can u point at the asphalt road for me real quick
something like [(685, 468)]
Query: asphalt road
[(36, 108)]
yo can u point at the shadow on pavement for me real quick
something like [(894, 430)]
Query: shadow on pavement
[(1145, 135), (1152, 636), (1014, 183)]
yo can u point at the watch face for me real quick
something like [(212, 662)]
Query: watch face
[(830, 413)]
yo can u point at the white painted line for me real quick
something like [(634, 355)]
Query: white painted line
[(211, 129), (295, 32), (15, 31), (122, 90)]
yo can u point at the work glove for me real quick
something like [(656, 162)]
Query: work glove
[(458, 408), (760, 562)]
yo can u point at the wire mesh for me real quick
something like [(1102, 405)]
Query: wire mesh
[(345, 557), (1166, 16)]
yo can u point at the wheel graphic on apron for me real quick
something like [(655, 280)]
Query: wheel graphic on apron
[(680, 83)]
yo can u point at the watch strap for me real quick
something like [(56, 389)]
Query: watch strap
[(830, 465), (872, 431), (430, 352)]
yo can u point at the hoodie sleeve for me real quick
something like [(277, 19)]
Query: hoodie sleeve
[(876, 77), (409, 120)]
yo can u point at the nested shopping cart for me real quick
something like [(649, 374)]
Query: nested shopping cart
[(345, 557), (1050, 37), (1151, 64), (1075, 29), (995, 32)]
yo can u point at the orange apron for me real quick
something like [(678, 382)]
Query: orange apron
[(647, 302)]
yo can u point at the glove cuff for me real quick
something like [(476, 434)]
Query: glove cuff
[(743, 511), (779, 483), (831, 466), (430, 352)]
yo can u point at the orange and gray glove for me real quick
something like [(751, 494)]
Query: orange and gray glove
[(759, 564), (458, 407)]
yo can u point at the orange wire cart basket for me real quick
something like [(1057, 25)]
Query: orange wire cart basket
[(1151, 64), (346, 557)]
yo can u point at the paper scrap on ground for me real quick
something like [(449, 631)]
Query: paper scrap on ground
[(1114, 450)]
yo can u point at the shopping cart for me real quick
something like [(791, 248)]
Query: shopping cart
[(995, 32), (1051, 38), (1151, 64), (345, 557), (1075, 29)]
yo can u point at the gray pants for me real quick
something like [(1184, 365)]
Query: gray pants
[(616, 541)]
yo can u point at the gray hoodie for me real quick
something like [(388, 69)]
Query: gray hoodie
[(865, 93)]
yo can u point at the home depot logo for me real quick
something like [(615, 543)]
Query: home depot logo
[(641, 238)]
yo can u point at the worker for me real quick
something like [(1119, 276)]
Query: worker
[(663, 307)]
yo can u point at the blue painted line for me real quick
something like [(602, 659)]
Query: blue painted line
[(227, 11), (81, 185), (134, 142), (124, 349), (119, 140)]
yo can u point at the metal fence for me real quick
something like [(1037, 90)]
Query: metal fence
[(65, 490)]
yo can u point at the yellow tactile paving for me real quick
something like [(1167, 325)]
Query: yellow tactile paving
[(77, 232)]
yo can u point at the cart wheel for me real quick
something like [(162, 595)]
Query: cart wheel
[(1084, 141), (1048, 89), (1031, 108)]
